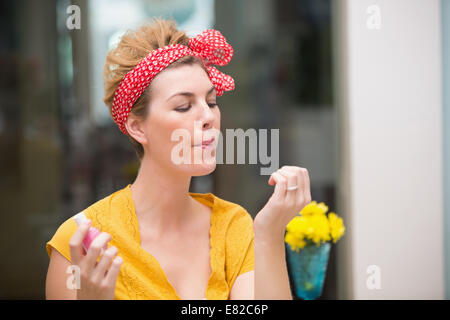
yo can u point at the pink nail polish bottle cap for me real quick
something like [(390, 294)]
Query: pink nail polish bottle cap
[(80, 218)]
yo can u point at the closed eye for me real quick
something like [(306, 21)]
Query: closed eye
[(211, 105)]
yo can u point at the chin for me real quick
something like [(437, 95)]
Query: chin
[(202, 169), (201, 163)]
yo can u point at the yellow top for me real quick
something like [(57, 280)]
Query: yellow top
[(141, 276)]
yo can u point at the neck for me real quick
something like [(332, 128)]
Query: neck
[(161, 198)]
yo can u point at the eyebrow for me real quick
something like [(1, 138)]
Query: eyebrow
[(190, 94)]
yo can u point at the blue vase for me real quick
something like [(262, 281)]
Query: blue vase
[(308, 268)]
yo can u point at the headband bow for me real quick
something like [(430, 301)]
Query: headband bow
[(210, 45)]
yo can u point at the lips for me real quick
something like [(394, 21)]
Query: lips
[(205, 143)]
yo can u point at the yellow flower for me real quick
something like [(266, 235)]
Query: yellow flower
[(295, 242), (336, 226), (313, 225), (318, 229), (314, 208)]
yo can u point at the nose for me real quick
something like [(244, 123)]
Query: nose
[(207, 116)]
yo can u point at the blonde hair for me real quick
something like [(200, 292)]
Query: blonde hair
[(132, 48)]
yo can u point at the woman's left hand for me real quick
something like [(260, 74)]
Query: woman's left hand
[(284, 204)]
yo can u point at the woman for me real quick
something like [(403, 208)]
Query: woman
[(164, 241)]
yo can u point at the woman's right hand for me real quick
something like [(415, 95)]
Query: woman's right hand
[(97, 279)]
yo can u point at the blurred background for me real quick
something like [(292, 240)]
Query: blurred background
[(359, 90)]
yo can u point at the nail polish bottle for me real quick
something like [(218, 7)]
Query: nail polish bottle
[(93, 232)]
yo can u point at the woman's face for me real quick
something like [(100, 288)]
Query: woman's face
[(182, 115)]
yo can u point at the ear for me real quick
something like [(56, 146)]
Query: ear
[(135, 129)]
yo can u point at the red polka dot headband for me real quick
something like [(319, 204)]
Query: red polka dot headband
[(210, 45)]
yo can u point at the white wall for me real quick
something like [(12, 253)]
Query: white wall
[(445, 36), (388, 83)]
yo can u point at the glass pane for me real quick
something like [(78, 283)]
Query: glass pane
[(283, 73), (61, 151)]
